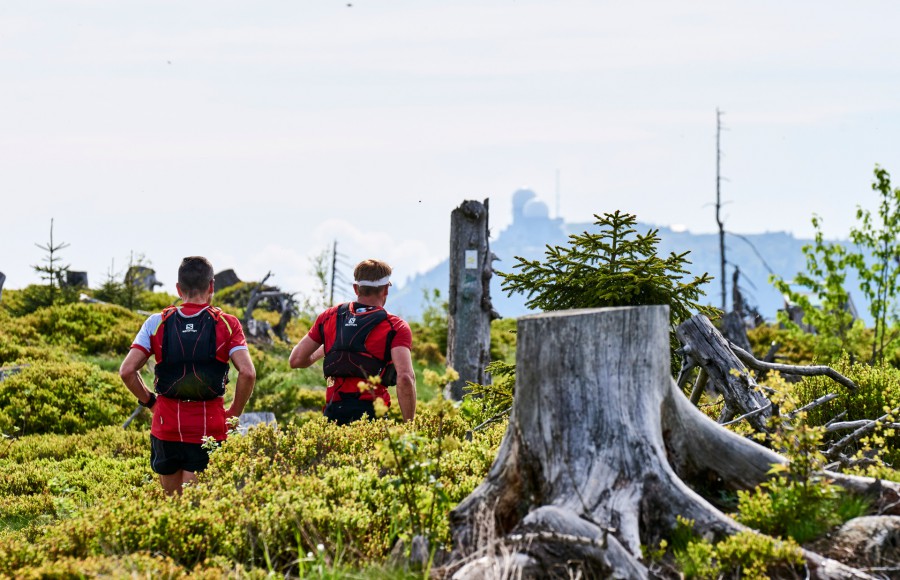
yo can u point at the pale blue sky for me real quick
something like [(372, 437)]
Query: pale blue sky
[(256, 133)]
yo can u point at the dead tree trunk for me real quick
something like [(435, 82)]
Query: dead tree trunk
[(598, 455), (471, 310), (709, 349), (722, 366), (734, 330)]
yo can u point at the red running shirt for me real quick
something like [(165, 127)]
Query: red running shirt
[(190, 421), (375, 345)]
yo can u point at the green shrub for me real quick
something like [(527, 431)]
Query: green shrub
[(282, 395), (879, 391), (36, 296), (297, 329), (797, 501), (13, 353), (155, 301), (55, 476), (503, 340), (128, 566), (12, 302), (791, 509), (282, 390), (795, 348), (67, 397), (20, 343), (86, 328), (798, 347), (17, 511), (746, 555), (430, 333), (267, 500), (494, 400), (112, 441), (236, 294)]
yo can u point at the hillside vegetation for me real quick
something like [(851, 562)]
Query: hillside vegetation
[(80, 498), (310, 499)]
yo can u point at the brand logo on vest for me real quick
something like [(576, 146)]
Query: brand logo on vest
[(188, 328), (351, 321)]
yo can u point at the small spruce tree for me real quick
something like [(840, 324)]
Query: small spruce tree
[(111, 290), (615, 266), (53, 272)]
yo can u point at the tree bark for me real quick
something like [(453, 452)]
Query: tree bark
[(599, 454), (734, 330), (470, 307), (709, 349), (723, 363)]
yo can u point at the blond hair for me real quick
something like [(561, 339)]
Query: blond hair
[(371, 270)]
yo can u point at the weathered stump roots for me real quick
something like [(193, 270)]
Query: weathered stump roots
[(601, 454)]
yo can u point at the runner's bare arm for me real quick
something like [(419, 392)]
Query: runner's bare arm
[(406, 381), (131, 376), (305, 353), (245, 382)]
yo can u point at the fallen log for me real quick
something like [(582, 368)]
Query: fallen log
[(728, 366), (800, 370), (707, 348), (602, 453)]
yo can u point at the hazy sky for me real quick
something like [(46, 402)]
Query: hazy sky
[(256, 133)]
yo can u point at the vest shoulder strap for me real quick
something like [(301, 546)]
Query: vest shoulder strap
[(215, 312), (389, 340), (341, 309), (168, 311)]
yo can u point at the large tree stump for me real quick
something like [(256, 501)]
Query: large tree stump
[(226, 278), (142, 277), (471, 310), (76, 279), (599, 454)]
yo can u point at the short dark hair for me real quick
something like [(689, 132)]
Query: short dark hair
[(371, 270), (195, 274)]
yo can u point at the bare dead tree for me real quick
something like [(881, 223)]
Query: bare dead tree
[(469, 300), (719, 221)]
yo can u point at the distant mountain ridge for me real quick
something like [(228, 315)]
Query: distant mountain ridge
[(757, 256)]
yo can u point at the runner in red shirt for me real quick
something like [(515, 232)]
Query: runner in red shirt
[(360, 340), (191, 345)]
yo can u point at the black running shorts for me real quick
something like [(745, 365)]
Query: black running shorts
[(167, 457), (349, 409)]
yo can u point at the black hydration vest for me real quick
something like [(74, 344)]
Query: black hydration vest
[(348, 356), (189, 369)]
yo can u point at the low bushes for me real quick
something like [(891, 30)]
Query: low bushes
[(269, 500), (86, 328), (62, 397), (282, 390), (47, 477)]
